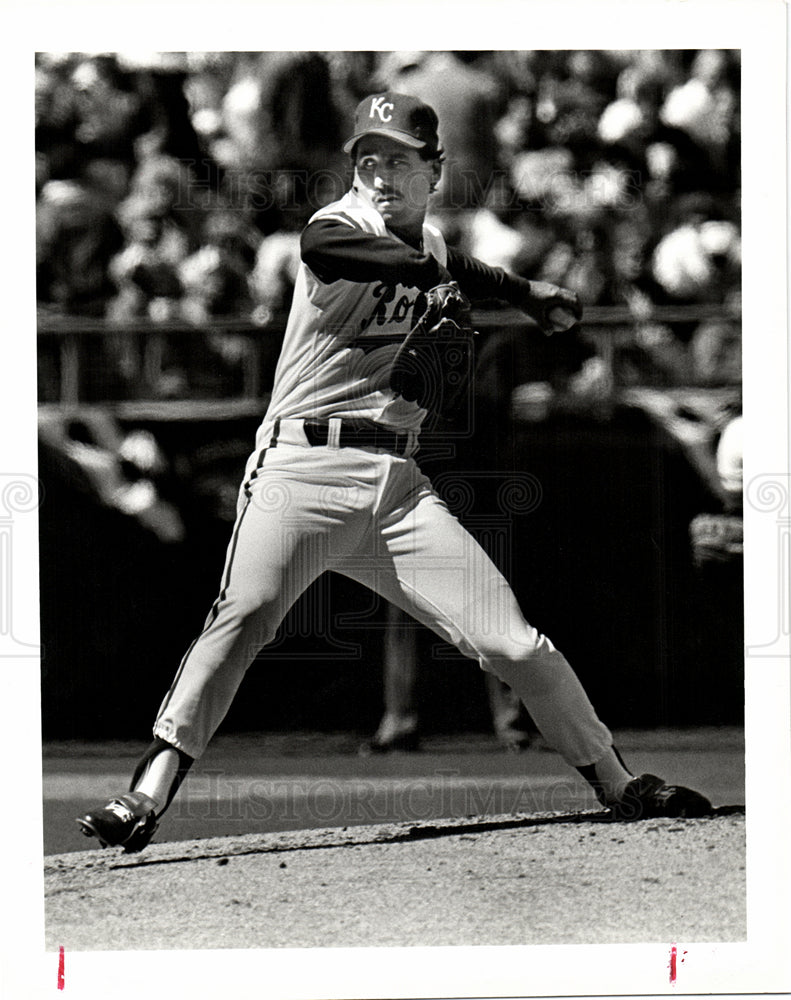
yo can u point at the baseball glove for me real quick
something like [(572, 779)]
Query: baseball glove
[(434, 363)]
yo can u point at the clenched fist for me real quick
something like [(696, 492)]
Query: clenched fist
[(554, 309)]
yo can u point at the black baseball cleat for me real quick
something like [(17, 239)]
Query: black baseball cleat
[(648, 797), (127, 821)]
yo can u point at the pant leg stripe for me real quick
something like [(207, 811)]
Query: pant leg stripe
[(227, 579), (215, 608), (262, 455), (176, 679), (275, 434)]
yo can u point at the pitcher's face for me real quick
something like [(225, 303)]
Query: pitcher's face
[(395, 179)]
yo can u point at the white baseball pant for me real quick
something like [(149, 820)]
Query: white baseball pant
[(374, 517)]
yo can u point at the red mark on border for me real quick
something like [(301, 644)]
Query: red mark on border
[(61, 968), (673, 965)]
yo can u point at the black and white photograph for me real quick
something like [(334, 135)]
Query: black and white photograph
[(396, 539)]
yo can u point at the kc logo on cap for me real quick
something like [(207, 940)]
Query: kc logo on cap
[(382, 108), (397, 116)]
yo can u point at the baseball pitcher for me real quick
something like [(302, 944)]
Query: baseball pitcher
[(376, 341)]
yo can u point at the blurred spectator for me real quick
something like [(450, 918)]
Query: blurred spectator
[(273, 275), (716, 353), (585, 272), (166, 188), (161, 80), (512, 130), (240, 113), (592, 72), (145, 272), (214, 278), (282, 131), (468, 102), (654, 356), (705, 107), (543, 178), (700, 261), (633, 132), (502, 233), (351, 75), (730, 461), (55, 123), (76, 234), (204, 89), (570, 98), (661, 67), (162, 219), (629, 126), (109, 111), (491, 239)]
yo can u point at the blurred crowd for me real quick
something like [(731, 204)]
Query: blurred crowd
[(173, 187)]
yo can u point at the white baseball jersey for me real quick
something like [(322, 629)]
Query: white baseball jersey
[(342, 336)]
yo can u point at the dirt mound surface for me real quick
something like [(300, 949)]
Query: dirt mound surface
[(506, 880)]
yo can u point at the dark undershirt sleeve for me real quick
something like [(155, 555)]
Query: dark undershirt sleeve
[(334, 250), (480, 281)]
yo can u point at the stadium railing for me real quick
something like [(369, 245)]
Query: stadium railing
[(227, 365)]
